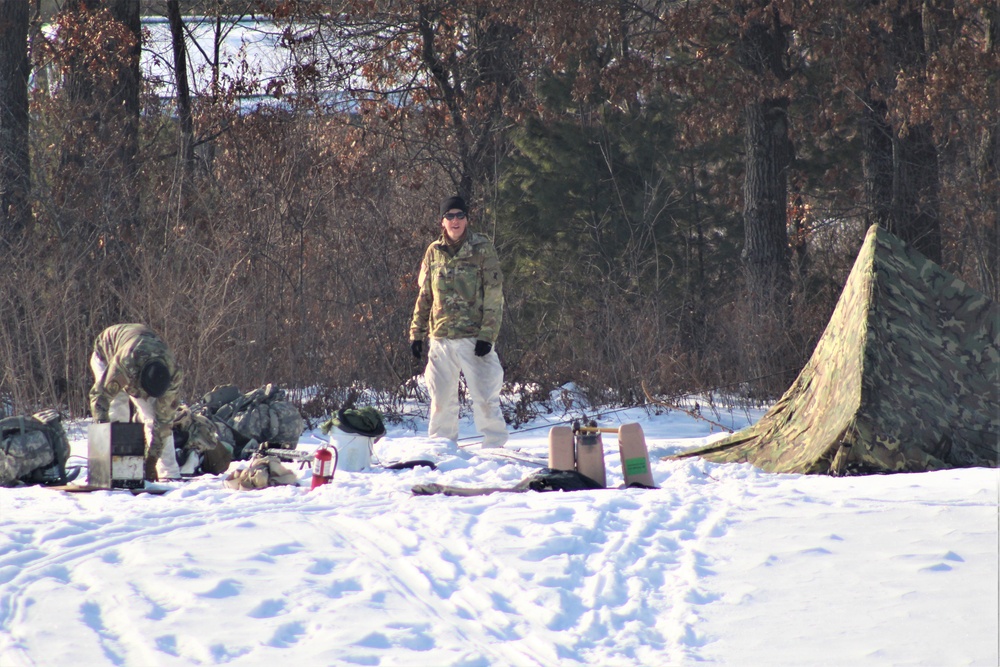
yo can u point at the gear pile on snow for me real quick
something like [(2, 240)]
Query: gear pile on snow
[(244, 422), (33, 449)]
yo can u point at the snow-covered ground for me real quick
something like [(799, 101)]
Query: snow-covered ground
[(723, 564)]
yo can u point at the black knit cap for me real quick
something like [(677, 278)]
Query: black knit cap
[(154, 378), (453, 202)]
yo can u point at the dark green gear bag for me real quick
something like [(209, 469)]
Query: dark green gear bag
[(365, 421)]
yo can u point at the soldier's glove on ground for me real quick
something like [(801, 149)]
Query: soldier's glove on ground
[(149, 469), (417, 348), (483, 348)]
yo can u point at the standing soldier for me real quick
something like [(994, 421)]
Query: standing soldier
[(131, 363), (458, 311)]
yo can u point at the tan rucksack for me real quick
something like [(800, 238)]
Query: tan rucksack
[(263, 471)]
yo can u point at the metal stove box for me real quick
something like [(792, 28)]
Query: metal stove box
[(116, 453)]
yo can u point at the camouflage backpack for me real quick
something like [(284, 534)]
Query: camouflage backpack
[(260, 416), (33, 450), (218, 397)]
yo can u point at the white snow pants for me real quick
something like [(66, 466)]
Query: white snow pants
[(118, 411), (446, 358)]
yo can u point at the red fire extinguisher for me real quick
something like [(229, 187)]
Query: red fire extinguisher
[(324, 465)]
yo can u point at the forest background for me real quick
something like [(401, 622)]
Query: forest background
[(676, 190)]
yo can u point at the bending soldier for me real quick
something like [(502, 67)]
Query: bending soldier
[(132, 364)]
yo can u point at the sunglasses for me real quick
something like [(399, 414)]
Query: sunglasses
[(451, 216)]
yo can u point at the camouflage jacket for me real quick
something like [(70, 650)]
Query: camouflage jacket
[(461, 295), (125, 348)]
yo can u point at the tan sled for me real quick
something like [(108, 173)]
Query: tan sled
[(635, 456), (569, 449), (590, 455), (581, 448), (562, 452)]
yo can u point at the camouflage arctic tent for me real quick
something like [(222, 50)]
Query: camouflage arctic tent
[(905, 378)]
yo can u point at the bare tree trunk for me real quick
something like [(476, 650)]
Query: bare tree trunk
[(765, 193), (876, 163), (181, 81), (916, 192), (15, 164), (126, 110), (988, 166), (916, 183), (766, 264), (768, 153)]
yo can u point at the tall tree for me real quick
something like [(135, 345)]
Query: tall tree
[(988, 160), (176, 21), (886, 53), (125, 94), (762, 53), (15, 165), (916, 182)]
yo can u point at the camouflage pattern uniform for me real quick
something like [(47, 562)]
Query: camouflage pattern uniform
[(461, 301), (120, 352), (461, 292)]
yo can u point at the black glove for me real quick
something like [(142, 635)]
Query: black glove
[(417, 348), (483, 348)]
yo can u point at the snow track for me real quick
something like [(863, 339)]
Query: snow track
[(721, 565), (519, 579)]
